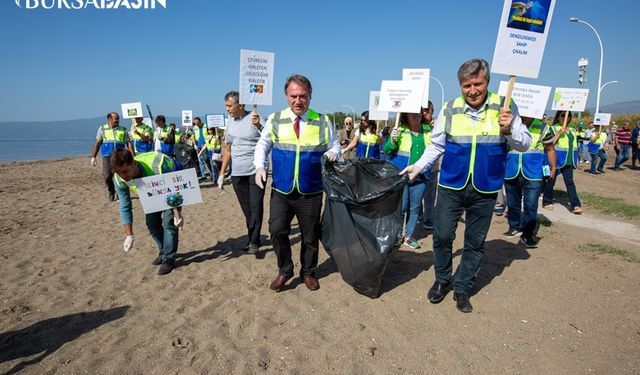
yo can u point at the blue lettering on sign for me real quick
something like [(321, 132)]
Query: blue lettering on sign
[(519, 52), (521, 44)]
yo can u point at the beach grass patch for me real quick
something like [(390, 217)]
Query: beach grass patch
[(606, 205), (606, 249)]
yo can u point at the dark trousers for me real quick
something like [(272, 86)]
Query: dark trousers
[(107, 174), (164, 233), (306, 208), (450, 206), (602, 154), (251, 199), (567, 176), (522, 201)]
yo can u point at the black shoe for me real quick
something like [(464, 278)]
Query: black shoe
[(511, 233), (157, 261), (462, 302), (252, 249), (166, 267), (528, 242), (437, 292)]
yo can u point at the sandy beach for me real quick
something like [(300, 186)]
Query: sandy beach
[(72, 302)]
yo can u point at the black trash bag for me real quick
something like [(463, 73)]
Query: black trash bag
[(187, 156), (362, 219)]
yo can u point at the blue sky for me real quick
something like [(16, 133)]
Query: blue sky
[(67, 64)]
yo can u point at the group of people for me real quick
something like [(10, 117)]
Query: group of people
[(476, 145)]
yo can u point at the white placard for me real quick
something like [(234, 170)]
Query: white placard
[(156, 192), (569, 99), (524, 27), (419, 75), (602, 119), (215, 120), (131, 110), (401, 96), (374, 114), (187, 118), (531, 99), (256, 77)]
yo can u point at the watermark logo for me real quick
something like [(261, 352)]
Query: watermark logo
[(92, 4)]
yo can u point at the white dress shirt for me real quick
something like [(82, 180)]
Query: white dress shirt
[(263, 148), (519, 139)]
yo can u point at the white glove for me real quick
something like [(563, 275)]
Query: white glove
[(394, 135), (261, 178), (331, 156), (178, 223), (411, 171), (128, 243), (221, 181), (93, 162)]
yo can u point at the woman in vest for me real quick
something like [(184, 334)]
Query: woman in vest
[(598, 149), (404, 147), (366, 142), (214, 151), (566, 142)]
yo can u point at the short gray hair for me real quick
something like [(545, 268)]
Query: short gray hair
[(233, 95), (472, 68)]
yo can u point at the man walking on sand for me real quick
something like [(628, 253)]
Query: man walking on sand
[(110, 136), (297, 137)]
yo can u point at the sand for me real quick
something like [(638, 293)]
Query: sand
[(72, 302)]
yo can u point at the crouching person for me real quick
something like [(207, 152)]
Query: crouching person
[(161, 225)]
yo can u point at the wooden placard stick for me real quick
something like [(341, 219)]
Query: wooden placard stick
[(507, 98)]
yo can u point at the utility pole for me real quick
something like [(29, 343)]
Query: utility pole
[(582, 75)]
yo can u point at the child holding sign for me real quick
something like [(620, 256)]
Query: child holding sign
[(161, 224)]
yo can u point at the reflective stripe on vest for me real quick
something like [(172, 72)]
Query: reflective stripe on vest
[(138, 144), (368, 146), (151, 163), (401, 158), (200, 134), (112, 139), (296, 161), (475, 149), (213, 146), (562, 149), (529, 163), (599, 143)]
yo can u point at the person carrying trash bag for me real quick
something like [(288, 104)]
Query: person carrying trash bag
[(362, 219)]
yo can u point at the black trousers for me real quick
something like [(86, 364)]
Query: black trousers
[(450, 206), (251, 199), (306, 208), (107, 174)]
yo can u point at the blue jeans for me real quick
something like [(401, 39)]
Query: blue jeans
[(522, 201), (411, 204), (203, 161), (602, 154), (567, 176), (623, 155), (450, 206), (585, 152), (164, 232)]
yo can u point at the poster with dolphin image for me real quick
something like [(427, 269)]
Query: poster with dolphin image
[(522, 36)]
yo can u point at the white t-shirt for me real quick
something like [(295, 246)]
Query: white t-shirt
[(243, 137)]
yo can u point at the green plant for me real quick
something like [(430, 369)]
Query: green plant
[(606, 249)]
